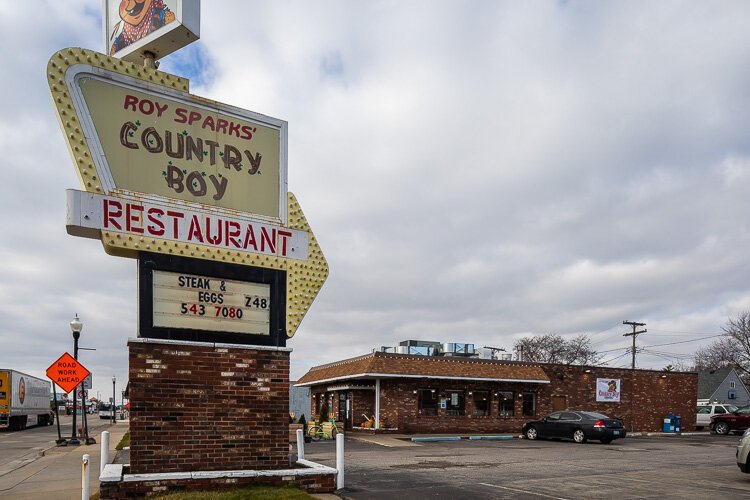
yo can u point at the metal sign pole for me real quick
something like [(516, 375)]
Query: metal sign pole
[(60, 441)]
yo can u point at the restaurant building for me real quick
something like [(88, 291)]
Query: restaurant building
[(439, 392)]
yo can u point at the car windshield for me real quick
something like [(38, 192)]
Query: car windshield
[(731, 408)]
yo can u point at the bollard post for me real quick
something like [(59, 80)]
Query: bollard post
[(105, 452), (339, 461), (85, 478), (300, 444)]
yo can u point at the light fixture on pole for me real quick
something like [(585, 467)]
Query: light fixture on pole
[(114, 401), (75, 326)]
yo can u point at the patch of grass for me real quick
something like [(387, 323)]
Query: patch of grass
[(247, 493), (124, 442)]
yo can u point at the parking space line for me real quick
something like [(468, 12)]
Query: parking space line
[(517, 490)]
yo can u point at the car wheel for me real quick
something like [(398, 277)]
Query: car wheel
[(531, 433), (578, 436), (606, 440), (722, 428)]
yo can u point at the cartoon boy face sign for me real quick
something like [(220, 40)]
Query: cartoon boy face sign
[(133, 11), (138, 19)]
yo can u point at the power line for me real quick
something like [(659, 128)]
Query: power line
[(671, 354), (615, 358), (606, 329), (687, 341), (686, 333)]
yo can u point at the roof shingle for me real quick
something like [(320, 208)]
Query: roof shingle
[(388, 365)]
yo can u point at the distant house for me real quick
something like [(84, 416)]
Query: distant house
[(722, 385)]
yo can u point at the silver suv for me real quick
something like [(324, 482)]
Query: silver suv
[(705, 412), (743, 450)]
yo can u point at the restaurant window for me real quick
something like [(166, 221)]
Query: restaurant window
[(481, 403), (454, 404), (529, 404), (506, 404), (428, 402)]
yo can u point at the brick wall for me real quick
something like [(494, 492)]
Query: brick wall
[(363, 403), (647, 396), (400, 409), (196, 408)]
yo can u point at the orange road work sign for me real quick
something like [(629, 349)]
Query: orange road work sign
[(67, 372)]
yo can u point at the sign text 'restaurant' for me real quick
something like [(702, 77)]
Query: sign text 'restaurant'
[(88, 213)]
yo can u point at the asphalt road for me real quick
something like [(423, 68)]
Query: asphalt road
[(636, 467), (18, 448)]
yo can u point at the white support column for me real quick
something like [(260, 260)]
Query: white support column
[(300, 444), (339, 461), (104, 456), (85, 476), (377, 403)]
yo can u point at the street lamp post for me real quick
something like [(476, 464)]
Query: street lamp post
[(114, 399), (75, 326)]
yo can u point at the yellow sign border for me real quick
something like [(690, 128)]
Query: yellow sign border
[(304, 278)]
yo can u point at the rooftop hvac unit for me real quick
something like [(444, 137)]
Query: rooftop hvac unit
[(453, 349)]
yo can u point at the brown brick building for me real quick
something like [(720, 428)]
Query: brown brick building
[(424, 394)]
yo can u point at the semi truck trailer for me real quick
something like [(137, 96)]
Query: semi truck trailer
[(24, 400)]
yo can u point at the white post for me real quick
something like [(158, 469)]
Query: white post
[(339, 461), (105, 452), (377, 403), (300, 444), (85, 478)]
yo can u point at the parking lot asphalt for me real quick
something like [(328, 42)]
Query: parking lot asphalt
[(645, 466)]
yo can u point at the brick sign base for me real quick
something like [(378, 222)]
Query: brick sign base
[(133, 487), (207, 407)]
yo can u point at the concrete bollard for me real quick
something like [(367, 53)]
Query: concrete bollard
[(85, 478), (339, 461), (300, 444), (105, 452)]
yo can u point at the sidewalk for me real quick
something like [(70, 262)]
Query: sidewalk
[(57, 474)]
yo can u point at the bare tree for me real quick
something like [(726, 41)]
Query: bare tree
[(552, 348), (679, 366), (733, 349)]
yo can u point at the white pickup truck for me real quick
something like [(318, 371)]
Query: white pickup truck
[(706, 411)]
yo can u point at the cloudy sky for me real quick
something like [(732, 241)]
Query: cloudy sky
[(474, 171)]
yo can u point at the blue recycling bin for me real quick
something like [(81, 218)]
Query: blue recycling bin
[(668, 423), (678, 423)]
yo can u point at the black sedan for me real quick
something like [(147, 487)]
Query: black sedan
[(579, 426)]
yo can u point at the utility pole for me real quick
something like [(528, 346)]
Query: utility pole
[(634, 334)]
